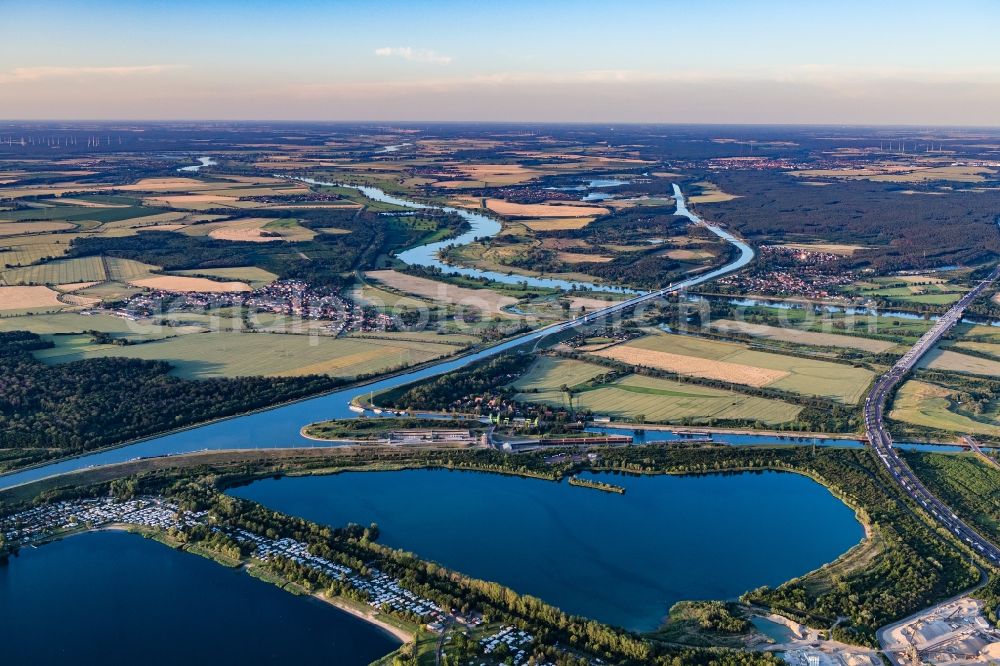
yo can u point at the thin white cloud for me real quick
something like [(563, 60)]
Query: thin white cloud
[(29, 74), (413, 55)]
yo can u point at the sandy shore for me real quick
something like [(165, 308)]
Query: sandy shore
[(369, 617)]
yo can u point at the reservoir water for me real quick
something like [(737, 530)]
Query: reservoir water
[(116, 598), (623, 559)]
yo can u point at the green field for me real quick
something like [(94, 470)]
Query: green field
[(83, 269), (910, 289), (68, 322), (222, 354), (806, 376), (366, 294), (656, 399), (26, 250), (78, 214), (988, 348), (444, 337), (933, 406), (953, 361), (547, 374)]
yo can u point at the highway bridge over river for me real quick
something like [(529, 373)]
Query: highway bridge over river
[(881, 442)]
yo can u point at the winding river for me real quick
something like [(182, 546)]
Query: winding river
[(195, 168), (279, 426), (480, 226)]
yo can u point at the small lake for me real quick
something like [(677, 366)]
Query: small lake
[(116, 598), (623, 559)]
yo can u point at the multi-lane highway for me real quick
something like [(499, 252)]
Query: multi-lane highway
[(882, 442)]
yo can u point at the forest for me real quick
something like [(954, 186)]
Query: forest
[(899, 231), (51, 411)]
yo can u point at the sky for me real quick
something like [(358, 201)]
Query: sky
[(708, 61)]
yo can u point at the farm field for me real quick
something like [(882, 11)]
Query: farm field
[(181, 283), (82, 269), (220, 354), (933, 406), (802, 337), (253, 276), (668, 401), (486, 300), (917, 289), (556, 223), (442, 338), (581, 257), (16, 228), (368, 295), (943, 359), (710, 193), (832, 248), (29, 298), (253, 229), (26, 250), (726, 361), (989, 348), (548, 373), (72, 322), (961, 174), (543, 210)]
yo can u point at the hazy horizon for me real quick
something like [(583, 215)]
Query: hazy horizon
[(717, 62)]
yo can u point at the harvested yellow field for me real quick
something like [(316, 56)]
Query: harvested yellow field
[(694, 366), (255, 277), (942, 359), (687, 255), (44, 190), (832, 248), (485, 300), (802, 337), (806, 376), (902, 174), (557, 223), (74, 286), (550, 209), (25, 298), (193, 201), (498, 174), (256, 230), (580, 257), (159, 218), (244, 230), (84, 203), (16, 228), (80, 301), (171, 184), (182, 283), (589, 303), (710, 193), (162, 227)]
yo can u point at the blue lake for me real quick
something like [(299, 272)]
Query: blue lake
[(116, 598), (623, 559)]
